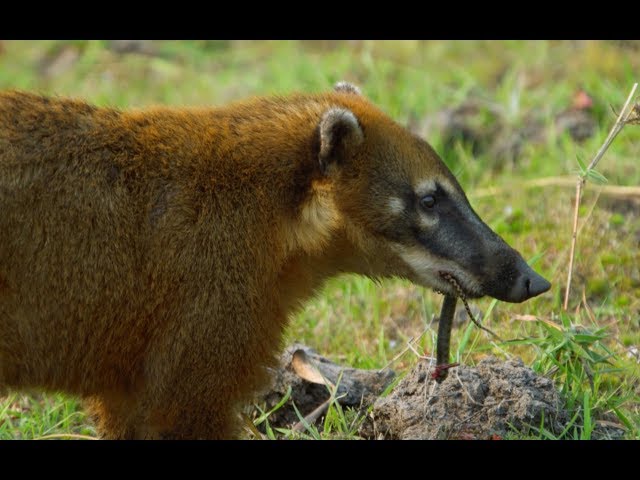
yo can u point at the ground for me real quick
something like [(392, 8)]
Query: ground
[(507, 119)]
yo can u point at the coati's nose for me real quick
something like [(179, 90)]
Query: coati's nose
[(528, 284)]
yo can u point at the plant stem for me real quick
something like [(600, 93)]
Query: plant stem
[(574, 236), (617, 127)]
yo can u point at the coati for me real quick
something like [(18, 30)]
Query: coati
[(149, 259)]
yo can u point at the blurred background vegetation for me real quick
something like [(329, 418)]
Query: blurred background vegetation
[(510, 118)]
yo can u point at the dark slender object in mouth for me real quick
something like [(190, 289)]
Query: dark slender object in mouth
[(445, 324), (444, 337)]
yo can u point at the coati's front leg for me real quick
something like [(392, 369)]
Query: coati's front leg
[(181, 417), (187, 393), (116, 417)]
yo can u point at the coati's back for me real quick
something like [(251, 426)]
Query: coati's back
[(114, 222), (70, 245), (116, 225)]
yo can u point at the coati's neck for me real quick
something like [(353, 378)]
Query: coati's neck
[(304, 273)]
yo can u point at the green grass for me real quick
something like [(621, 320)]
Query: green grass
[(42, 416), (356, 322)]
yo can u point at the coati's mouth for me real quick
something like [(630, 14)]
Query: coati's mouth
[(440, 275), (459, 290)]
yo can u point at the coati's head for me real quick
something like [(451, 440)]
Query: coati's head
[(405, 212)]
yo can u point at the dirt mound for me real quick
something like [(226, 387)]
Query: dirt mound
[(482, 402)]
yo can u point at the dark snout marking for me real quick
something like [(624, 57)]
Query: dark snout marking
[(527, 285), (456, 237), (461, 237)]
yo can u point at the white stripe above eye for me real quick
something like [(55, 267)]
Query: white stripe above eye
[(425, 186)]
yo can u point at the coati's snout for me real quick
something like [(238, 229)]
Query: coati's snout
[(505, 275), (394, 189), (461, 245), (448, 239), (528, 284)]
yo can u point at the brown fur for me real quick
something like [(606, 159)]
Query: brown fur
[(149, 260)]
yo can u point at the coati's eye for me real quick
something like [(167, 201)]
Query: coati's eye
[(428, 201)]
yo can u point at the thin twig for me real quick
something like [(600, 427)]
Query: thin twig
[(410, 346), (574, 236), (313, 416), (418, 354), (617, 127)]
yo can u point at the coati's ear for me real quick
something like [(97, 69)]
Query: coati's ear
[(340, 132), (347, 88)]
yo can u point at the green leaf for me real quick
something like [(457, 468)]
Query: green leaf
[(525, 341), (464, 341), (566, 321), (586, 338), (269, 431), (310, 428), (265, 416), (596, 177), (623, 418), (583, 167), (532, 261)]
